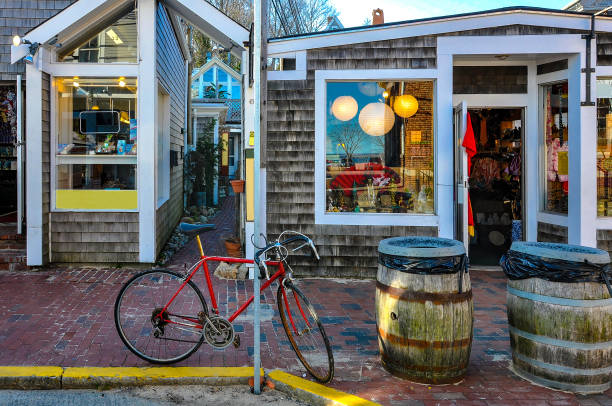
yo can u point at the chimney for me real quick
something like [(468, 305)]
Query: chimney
[(378, 17)]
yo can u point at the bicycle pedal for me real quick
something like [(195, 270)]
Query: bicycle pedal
[(236, 341)]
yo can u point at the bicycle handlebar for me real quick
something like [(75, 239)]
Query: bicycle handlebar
[(297, 237)]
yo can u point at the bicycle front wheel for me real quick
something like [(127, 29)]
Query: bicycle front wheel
[(305, 332), (158, 336)]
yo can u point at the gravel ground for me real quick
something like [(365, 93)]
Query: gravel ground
[(148, 395)]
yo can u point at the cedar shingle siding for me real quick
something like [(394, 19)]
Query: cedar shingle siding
[(349, 250), (16, 18), (172, 75)]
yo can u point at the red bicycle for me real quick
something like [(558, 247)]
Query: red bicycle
[(162, 317)]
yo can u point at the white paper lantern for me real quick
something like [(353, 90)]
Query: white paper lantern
[(344, 108), (376, 119), (405, 105)]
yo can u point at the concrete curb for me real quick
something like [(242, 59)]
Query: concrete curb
[(52, 377), (314, 393)]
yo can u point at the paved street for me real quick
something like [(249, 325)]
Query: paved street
[(64, 317)]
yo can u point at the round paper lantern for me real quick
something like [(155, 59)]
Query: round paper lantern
[(405, 105), (376, 119), (344, 108)]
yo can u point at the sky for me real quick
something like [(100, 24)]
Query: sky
[(353, 13)]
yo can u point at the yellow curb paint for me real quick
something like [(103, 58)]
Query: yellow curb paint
[(319, 390), (158, 372), (30, 371)]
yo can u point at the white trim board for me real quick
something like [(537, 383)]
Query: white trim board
[(492, 100), (432, 27), (212, 22), (323, 217)]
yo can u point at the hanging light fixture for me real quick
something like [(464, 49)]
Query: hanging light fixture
[(405, 105), (376, 119), (344, 108)]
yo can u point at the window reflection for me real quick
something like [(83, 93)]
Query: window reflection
[(379, 147)]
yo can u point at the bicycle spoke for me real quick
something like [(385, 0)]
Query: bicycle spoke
[(305, 333), (156, 335)]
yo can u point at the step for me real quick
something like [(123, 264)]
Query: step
[(13, 260)]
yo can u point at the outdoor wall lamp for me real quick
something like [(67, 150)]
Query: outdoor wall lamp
[(17, 40)]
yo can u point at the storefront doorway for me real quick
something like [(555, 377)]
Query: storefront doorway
[(8, 154), (496, 182)]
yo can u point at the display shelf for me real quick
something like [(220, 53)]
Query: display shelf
[(97, 159)]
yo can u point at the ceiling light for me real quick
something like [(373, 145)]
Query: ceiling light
[(121, 82), (75, 81), (113, 35)]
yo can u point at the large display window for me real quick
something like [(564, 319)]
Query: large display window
[(96, 143), (604, 147), (556, 148), (380, 147)]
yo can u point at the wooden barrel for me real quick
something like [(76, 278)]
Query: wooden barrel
[(561, 333), (424, 324)]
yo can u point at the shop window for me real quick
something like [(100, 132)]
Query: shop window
[(116, 42), (556, 148), (604, 147), (380, 147), (96, 133)]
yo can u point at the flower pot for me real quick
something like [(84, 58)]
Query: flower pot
[(237, 185), (232, 247)]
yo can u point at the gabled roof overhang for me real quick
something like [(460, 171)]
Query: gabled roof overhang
[(219, 63), (79, 17), (440, 25)]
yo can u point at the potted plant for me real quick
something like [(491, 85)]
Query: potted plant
[(233, 247), (237, 185)]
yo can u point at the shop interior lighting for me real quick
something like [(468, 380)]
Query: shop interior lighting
[(114, 36)]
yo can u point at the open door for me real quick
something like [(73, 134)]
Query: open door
[(461, 178)]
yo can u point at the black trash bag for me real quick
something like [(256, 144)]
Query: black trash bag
[(518, 265), (427, 266)]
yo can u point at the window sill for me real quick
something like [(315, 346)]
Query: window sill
[(97, 159), (378, 219)]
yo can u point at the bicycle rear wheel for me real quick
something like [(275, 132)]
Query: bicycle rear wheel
[(305, 332), (161, 338)]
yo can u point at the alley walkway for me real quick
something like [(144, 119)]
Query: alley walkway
[(65, 317)]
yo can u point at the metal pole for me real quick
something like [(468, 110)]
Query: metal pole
[(257, 189)]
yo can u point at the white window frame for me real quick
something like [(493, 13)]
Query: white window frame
[(544, 215), (97, 72), (50, 65), (162, 158), (322, 77)]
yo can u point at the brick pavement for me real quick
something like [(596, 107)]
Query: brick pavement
[(64, 317)]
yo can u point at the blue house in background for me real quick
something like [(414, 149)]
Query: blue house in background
[(215, 94)]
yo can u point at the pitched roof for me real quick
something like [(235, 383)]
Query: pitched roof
[(439, 18)]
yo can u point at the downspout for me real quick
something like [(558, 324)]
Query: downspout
[(589, 69), (189, 83)]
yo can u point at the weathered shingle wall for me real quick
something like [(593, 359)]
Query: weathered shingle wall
[(552, 233), (16, 18), (171, 74), (345, 250), (94, 237)]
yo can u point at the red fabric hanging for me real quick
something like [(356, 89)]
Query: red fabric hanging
[(469, 143)]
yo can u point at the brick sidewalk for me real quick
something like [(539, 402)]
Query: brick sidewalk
[(65, 317)]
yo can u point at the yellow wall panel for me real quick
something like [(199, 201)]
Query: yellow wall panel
[(96, 199), (250, 177)]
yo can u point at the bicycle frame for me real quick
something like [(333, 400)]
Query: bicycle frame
[(203, 263)]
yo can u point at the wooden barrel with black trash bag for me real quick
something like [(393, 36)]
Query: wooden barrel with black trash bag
[(424, 316), (561, 333)]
